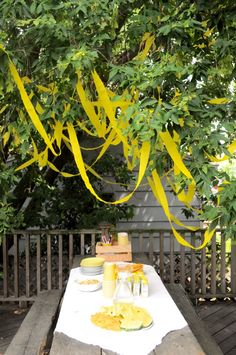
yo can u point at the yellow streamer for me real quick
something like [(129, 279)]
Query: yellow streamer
[(102, 92), (148, 40), (171, 148), (88, 107), (28, 104), (159, 192), (144, 157), (112, 133)]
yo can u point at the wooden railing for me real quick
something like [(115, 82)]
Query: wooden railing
[(40, 260)]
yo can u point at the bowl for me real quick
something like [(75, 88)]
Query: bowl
[(88, 285)]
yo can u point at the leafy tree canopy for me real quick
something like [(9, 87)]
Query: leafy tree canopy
[(185, 83)]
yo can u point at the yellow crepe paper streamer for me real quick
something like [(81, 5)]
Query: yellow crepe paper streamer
[(144, 157), (103, 95), (159, 193), (5, 138), (219, 101), (148, 39), (3, 109), (28, 104), (37, 158), (171, 148), (176, 192), (115, 137), (85, 129), (58, 129), (92, 171), (231, 149), (89, 109)]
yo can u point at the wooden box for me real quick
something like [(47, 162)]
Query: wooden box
[(114, 252)]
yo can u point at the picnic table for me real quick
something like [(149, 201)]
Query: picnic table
[(171, 334), (40, 333)]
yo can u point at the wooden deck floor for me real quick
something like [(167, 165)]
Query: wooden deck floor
[(220, 318), (11, 317)]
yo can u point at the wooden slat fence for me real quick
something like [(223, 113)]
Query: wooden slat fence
[(36, 260)]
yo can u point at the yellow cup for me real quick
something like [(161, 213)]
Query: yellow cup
[(122, 238), (109, 271), (108, 288)]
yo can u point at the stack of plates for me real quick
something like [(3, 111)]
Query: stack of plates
[(92, 266)]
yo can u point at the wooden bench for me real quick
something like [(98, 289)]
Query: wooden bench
[(36, 331), (196, 325)]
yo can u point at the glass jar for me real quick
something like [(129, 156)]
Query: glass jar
[(123, 292)]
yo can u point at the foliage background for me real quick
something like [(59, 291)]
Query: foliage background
[(192, 62)]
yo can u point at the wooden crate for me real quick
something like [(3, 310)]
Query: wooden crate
[(114, 252)]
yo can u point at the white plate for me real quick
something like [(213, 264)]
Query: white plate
[(148, 327), (98, 268)]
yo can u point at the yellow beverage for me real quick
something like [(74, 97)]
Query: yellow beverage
[(108, 288), (122, 238), (109, 271)]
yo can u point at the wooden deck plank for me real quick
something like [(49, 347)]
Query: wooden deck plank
[(228, 344), (231, 352), (225, 333), (220, 314), (207, 310), (11, 318), (220, 319), (223, 322), (198, 328)]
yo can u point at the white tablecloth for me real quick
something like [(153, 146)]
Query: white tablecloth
[(77, 308)]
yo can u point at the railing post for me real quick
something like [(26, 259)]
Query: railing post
[(93, 244), (60, 261), (82, 243), (27, 265), (16, 265), (151, 247), (172, 261), (213, 265), (222, 264), (71, 239), (233, 266), (5, 265), (161, 255), (49, 261), (203, 268), (193, 265), (182, 265), (38, 264)]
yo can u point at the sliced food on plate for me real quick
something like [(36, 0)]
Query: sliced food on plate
[(122, 316)]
